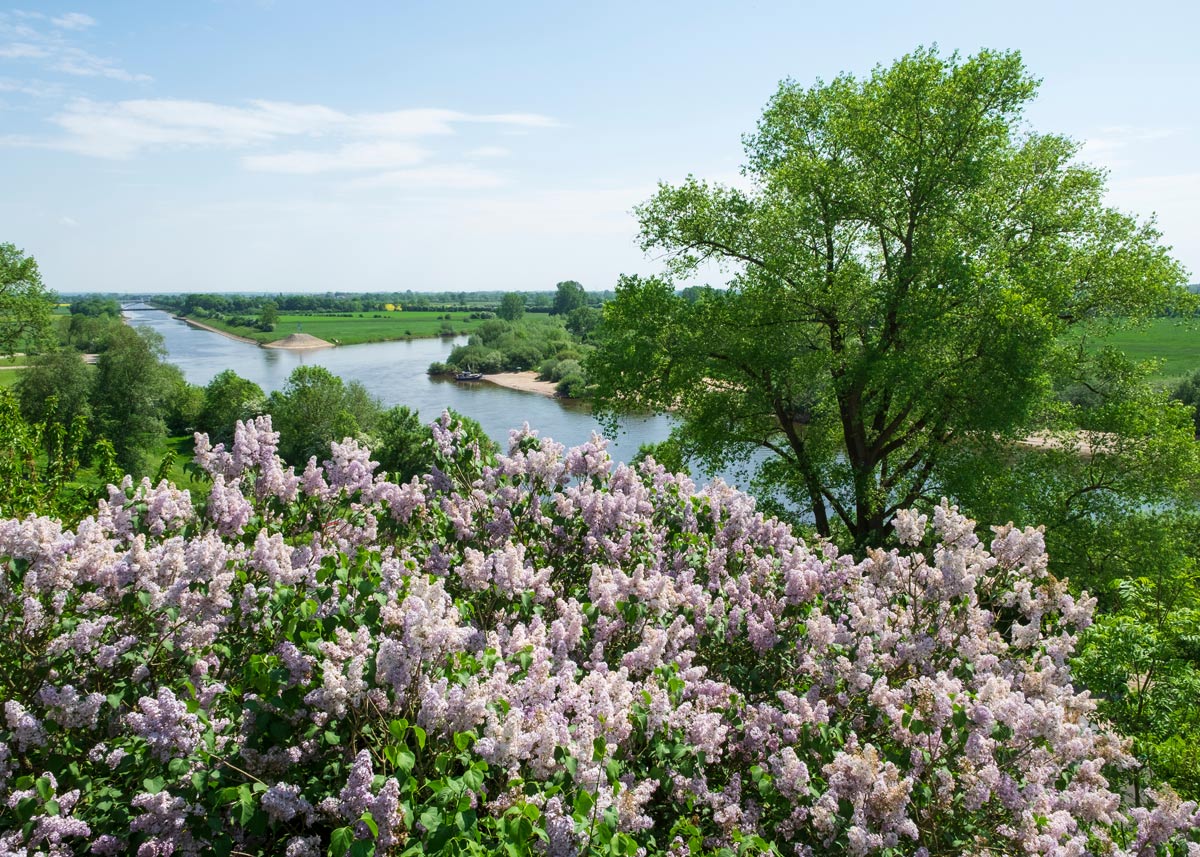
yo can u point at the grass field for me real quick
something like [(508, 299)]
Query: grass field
[(365, 327), (1173, 343), (9, 377), (183, 446)]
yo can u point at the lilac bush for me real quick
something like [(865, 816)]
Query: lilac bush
[(543, 652)]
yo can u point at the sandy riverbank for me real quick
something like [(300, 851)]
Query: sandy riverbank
[(190, 323), (295, 341), (298, 342), (525, 382)]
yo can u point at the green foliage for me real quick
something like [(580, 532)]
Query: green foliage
[(502, 346), (906, 270), (583, 322), (268, 316), (129, 393), (512, 307), (25, 305), (96, 307), (1188, 392), (668, 453), (1142, 656), (90, 333), (227, 399), (316, 407), (182, 402), (403, 444), (40, 463), (569, 296), (573, 386), (555, 369), (60, 375)]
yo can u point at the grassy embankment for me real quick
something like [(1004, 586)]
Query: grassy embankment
[(1174, 343), (376, 326)]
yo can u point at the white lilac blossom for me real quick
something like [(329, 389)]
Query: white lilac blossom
[(549, 635)]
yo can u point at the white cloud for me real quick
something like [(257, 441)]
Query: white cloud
[(68, 221), (125, 128), (83, 64), (1112, 146), (33, 88), (521, 120), (362, 141), (352, 156), (489, 152), (24, 37), (22, 51), (421, 121), (446, 176), (73, 21)]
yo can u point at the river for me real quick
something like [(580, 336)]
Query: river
[(395, 372)]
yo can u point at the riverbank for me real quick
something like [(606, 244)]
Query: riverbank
[(524, 382), (350, 329), (292, 342), (192, 323)]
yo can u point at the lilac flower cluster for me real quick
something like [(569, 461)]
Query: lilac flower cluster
[(594, 644)]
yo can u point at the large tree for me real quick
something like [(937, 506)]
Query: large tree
[(129, 394), (905, 266), (316, 407), (569, 295), (58, 386), (512, 307), (25, 305), (227, 399)]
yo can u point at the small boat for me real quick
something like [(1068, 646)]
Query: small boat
[(469, 376)]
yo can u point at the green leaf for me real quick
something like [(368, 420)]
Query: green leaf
[(369, 820), (340, 841), (405, 760), (44, 789), (583, 804)]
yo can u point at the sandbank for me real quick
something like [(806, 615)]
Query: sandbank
[(525, 382)]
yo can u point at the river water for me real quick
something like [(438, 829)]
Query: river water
[(396, 373)]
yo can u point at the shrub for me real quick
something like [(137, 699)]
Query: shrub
[(572, 386), (544, 652), (1188, 392)]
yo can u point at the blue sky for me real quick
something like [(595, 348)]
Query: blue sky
[(303, 146)]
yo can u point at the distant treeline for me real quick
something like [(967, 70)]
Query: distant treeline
[(334, 302)]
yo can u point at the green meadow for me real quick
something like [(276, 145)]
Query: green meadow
[(376, 326), (1173, 344)]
